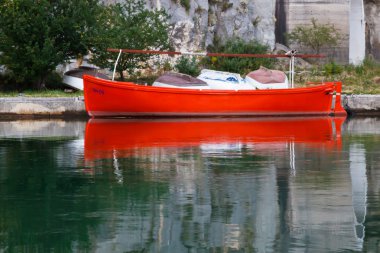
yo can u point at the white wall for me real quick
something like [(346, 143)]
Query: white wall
[(357, 32)]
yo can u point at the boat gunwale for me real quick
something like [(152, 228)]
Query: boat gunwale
[(133, 86)]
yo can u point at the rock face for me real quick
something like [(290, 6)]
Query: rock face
[(196, 24), (203, 22)]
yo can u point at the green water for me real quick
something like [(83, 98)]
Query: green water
[(192, 195)]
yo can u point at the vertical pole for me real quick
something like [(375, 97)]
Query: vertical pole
[(293, 73), (290, 71), (291, 54), (114, 69)]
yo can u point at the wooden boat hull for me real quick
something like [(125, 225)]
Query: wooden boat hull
[(105, 98)]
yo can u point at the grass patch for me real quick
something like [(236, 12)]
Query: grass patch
[(363, 79), (43, 93)]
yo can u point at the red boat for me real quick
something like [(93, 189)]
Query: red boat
[(106, 98)]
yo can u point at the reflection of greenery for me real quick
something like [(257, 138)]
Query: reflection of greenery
[(47, 208), (244, 164), (53, 208), (370, 141)]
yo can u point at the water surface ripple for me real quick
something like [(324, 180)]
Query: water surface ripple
[(195, 185)]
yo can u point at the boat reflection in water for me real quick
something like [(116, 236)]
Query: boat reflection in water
[(254, 183), (124, 137)]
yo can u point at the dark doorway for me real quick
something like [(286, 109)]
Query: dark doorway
[(280, 26)]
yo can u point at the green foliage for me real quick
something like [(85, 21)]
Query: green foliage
[(332, 69), (186, 4), (368, 65), (129, 25), (187, 66), (167, 66), (54, 81), (36, 36), (238, 64), (226, 5), (7, 82), (315, 36)]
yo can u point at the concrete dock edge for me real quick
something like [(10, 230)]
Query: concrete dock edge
[(362, 104), (42, 107)]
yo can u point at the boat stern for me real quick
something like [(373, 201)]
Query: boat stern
[(336, 107)]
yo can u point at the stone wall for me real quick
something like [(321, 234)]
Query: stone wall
[(336, 12), (372, 13)]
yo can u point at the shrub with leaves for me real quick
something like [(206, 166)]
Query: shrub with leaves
[(332, 69), (315, 36), (237, 64), (188, 66)]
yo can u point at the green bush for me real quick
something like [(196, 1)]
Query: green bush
[(315, 36), (186, 4), (332, 69), (238, 64), (7, 82), (54, 81), (187, 66), (36, 36)]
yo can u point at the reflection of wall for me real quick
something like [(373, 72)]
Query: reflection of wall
[(359, 183), (205, 205), (366, 132), (362, 126), (210, 204), (323, 211), (41, 128)]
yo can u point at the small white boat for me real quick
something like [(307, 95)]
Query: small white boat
[(74, 77)]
